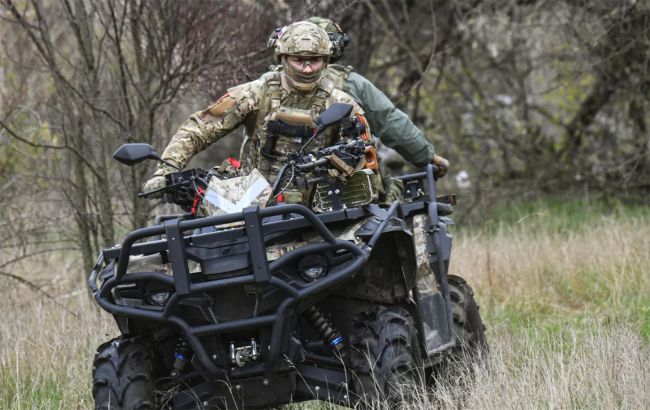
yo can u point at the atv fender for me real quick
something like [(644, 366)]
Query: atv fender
[(436, 331)]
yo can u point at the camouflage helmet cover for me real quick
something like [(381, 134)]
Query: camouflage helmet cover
[(303, 38), (337, 36), (326, 24)]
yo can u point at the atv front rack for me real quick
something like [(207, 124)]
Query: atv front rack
[(256, 225), (261, 270)]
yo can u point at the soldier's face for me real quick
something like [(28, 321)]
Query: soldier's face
[(306, 65)]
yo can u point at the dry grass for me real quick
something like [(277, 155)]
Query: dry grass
[(46, 352), (545, 266), (597, 366), (566, 298)]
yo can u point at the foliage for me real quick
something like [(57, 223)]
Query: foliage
[(101, 74), (549, 95), (526, 97)]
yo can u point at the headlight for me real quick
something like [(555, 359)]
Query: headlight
[(313, 272), (312, 267), (159, 298)]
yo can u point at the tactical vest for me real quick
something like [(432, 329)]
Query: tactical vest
[(389, 188), (338, 75), (280, 117)]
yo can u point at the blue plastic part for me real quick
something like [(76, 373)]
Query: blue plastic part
[(336, 341)]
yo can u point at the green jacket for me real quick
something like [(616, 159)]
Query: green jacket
[(394, 128)]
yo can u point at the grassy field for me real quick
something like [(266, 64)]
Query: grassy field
[(565, 293), (564, 290)]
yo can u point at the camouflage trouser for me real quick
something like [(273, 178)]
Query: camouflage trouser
[(394, 189), (424, 272), (427, 285), (390, 189)]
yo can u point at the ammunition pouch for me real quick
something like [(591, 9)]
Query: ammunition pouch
[(282, 128), (276, 128)]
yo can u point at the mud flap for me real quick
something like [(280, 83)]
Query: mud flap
[(434, 321), (436, 329)]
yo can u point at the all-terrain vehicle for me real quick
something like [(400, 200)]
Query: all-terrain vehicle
[(230, 305)]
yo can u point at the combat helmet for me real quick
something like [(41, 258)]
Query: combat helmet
[(303, 38), (338, 37)]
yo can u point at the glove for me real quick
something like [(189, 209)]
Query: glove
[(442, 164), (157, 182)]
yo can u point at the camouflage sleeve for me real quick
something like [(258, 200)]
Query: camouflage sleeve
[(393, 127), (208, 126), (343, 97)]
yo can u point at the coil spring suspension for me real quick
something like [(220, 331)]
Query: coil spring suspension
[(327, 331), (182, 354)]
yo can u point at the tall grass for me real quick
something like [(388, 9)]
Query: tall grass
[(47, 348), (564, 290), (565, 293), (590, 366), (559, 263)]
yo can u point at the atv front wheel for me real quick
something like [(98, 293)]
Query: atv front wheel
[(468, 325), (384, 356), (122, 375)]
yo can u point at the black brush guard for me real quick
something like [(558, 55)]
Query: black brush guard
[(261, 270)]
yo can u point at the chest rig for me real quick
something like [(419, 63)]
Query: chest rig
[(285, 122), (338, 75)]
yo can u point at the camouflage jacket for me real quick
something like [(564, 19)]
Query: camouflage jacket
[(252, 105)]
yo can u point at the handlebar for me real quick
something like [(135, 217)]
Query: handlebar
[(181, 187), (354, 148), (165, 188), (311, 165)]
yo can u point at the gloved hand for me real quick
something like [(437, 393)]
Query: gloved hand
[(157, 182), (442, 164)]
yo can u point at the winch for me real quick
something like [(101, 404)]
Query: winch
[(243, 354)]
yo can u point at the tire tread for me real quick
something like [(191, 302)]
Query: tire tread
[(122, 374)]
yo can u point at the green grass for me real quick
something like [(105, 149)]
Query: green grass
[(557, 215), (33, 393), (564, 289), (612, 289)]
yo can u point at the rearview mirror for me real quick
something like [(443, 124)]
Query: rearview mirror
[(335, 113), (131, 154)]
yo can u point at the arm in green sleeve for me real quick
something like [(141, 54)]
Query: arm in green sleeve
[(394, 128)]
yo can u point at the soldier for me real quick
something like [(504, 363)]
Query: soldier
[(296, 95), (392, 126)]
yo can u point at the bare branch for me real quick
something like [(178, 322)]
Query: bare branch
[(40, 291)]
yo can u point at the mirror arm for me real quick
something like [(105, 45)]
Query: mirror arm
[(153, 191), (157, 157), (319, 129)]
